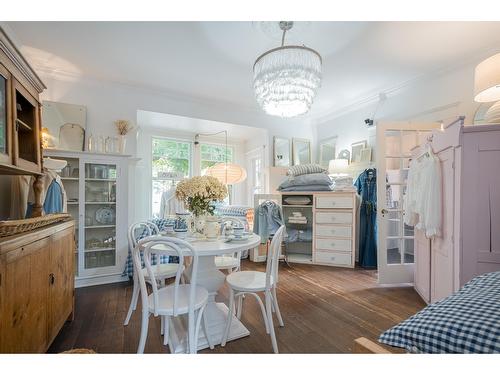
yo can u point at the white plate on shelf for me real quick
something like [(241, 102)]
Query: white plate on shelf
[(105, 215)]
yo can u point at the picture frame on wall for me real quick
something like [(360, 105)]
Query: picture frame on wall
[(281, 150), (366, 155), (327, 151), (301, 151), (356, 148)]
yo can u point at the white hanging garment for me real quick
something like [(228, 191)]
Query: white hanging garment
[(169, 204), (423, 199)]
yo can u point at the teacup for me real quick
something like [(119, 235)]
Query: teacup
[(168, 228), (238, 231), (181, 233)]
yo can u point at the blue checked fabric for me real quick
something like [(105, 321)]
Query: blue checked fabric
[(468, 321), (129, 265)]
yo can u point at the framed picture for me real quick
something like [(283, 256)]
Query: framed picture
[(327, 151), (281, 152), (301, 151), (356, 151), (366, 155)]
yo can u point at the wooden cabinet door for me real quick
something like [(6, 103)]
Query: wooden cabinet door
[(25, 289), (5, 117), (61, 278)]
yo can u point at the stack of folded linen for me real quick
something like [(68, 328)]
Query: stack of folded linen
[(297, 218), (342, 183), (309, 177)]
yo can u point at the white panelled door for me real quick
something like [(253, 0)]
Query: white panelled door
[(395, 140)]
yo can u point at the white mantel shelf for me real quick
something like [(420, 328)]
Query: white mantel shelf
[(50, 151)]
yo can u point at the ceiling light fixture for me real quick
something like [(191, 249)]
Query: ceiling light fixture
[(286, 78)]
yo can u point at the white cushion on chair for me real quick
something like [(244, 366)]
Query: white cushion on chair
[(162, 271), (166, 299), (226, 262), (248, 281)]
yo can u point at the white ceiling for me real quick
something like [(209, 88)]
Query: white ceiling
[(213, 60)]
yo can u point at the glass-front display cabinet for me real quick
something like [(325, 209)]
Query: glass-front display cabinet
[(20, 87), (96, 190)]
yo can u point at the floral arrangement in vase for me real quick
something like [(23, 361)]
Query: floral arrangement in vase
[(199, 192), (123, 127)]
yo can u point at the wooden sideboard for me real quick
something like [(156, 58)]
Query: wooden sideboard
[(36, 287)]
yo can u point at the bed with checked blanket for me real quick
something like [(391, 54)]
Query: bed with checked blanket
[(468, 321)]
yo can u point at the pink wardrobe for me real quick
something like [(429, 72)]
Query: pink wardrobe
[(470, 241)]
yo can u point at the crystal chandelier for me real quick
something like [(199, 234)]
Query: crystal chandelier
[(286, 78)]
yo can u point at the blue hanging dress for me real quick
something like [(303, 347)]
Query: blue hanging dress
[(366, 186)]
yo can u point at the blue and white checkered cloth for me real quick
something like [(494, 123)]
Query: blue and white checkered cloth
[(129, 265), (468, 321)]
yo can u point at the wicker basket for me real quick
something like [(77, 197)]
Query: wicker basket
[(11, 227)]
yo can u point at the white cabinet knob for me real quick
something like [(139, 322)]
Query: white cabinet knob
[(333, 231), (333, 244)]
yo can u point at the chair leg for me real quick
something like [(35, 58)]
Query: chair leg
[(263, 311), (229, 317), (144, 332), (270, 321), (162, 324), (240, 306), (166, 330), (133, 301), (277, 308), (206, 330)]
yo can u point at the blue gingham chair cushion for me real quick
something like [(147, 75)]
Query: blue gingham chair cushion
[(129, 265), (468, 321)]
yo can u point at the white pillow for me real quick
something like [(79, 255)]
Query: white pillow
[(297, 200)]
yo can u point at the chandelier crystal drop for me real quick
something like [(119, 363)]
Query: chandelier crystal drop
[(287, 78)]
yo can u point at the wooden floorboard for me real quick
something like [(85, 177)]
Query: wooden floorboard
[(324, 310)]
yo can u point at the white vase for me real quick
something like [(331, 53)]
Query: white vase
[(122, 141), (211, 229)]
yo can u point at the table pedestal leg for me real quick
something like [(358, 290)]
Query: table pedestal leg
[(212, 279)]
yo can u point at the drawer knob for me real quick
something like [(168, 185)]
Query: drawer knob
[(333, 231), (333, 203), (333, 243)]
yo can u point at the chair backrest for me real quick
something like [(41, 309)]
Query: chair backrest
[(140, 228), (167, 246), (273, 257), (154, 228)]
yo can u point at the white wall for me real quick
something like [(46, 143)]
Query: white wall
[(106, 102), (440, 97)]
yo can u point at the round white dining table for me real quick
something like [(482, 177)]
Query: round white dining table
[(212, 279)]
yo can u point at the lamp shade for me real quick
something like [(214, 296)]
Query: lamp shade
[(487, 80), (338, 165), (228, 173)]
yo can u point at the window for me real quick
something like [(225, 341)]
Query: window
[(171, 161), (211, 154)]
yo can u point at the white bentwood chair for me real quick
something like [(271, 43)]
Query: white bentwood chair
[(229, 262), (251, 282), (174, 299), (163, 271)]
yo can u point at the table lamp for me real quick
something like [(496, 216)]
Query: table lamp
[(338, 167), (487, 87)]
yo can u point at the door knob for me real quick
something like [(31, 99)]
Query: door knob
[(384, 211)]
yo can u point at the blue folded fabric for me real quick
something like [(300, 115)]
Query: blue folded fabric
[(309, 188), (306, 180)]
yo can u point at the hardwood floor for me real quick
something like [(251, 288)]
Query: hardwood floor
[(324, 310)]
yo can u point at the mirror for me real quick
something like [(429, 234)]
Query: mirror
[(281, 152), (301, 151), (327, 151), (63, 126)]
